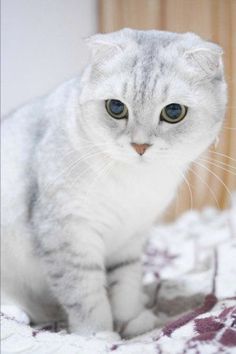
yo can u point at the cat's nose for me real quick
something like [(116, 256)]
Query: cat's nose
[(140, 148)]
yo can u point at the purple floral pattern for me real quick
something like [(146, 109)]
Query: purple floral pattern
[(190, 268)]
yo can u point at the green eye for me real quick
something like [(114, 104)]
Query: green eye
[(173, 113), (116, 109)]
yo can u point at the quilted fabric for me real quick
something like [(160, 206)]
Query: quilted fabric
[(190, 279)]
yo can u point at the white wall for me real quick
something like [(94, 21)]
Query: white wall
[(42, 45)]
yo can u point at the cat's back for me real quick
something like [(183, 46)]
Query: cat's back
[(22, 133), (19, 133)]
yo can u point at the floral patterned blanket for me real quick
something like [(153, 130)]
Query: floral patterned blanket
[(190, 278)]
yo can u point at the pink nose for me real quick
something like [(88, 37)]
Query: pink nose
[(140, 148)]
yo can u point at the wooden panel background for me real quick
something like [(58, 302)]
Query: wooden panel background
[(214, 20)]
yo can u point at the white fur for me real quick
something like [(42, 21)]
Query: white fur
[(96, 197)]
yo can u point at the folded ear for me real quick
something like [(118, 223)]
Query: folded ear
[(206, 60), (103, 46), (106, 50)]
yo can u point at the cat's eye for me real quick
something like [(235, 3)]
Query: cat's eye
[(173, 113), (116, 109)]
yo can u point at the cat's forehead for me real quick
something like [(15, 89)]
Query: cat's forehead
[(144, 67), (151, 66), (156, 39), (151, 75), (155, 48), (146, 73)]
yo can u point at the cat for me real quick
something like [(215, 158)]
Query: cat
[(88, 169)]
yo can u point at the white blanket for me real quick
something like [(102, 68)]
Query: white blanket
[(190, 277)]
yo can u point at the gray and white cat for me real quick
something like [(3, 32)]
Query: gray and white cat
[(88, 169)]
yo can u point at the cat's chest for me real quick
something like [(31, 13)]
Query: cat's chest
[(127, 201)]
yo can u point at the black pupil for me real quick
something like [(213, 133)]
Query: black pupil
[(173, 110), (116, 106)]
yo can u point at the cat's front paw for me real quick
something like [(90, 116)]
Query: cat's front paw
[(107, 336), (144, 322), (15, 312)]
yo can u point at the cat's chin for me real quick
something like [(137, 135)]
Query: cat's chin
[(139, 161)]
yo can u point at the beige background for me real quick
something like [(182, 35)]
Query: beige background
[(214, 20)]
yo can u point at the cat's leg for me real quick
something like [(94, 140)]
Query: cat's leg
[(131, 318), (73, 258)]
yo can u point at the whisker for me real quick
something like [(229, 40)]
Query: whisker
[(218, 166), (218, 161), (230, 128), (61, 153), (81, 174), (223, 155), (101, 173), (189, 188), (70, 168), (206, 184), (216, 176), (177, 201)]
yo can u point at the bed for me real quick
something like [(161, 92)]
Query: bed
[(190, 281)]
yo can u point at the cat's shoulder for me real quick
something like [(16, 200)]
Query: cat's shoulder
[(39, 106)]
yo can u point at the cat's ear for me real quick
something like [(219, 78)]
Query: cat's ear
[(103, 46), (205, 60)]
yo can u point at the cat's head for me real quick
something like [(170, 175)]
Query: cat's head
[(153, 95)]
